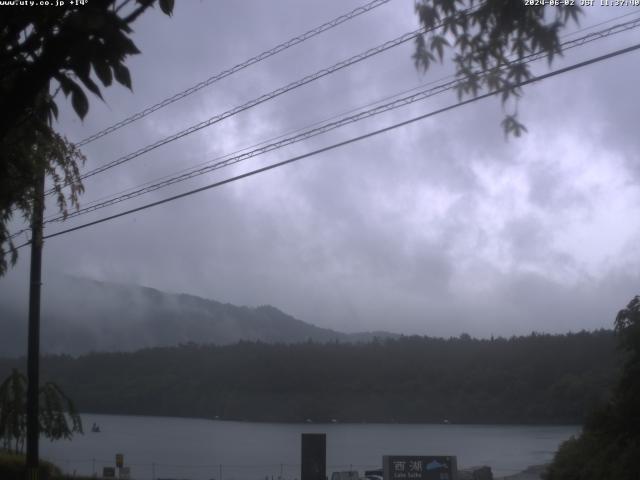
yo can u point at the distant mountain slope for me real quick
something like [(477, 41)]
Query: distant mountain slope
[(81, 315)]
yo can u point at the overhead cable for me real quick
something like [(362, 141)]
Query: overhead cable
[(349, 141), (329, 126), (268, 96), (322, 128), (226, 73), (564, 45)]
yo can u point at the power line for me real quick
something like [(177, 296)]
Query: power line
[(349, 141), (236, 157), (345, 63), (566, 45), (256, 145), (219, 76), (604, 22), (415, 88), (350, 15), (264, 55), (268, 96), (329, 126)]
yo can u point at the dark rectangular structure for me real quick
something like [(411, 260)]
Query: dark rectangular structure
[(314, 456), (413, 467)]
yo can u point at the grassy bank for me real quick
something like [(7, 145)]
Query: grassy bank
[(12, 467)]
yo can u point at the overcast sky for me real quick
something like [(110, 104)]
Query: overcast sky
[(436, 228)]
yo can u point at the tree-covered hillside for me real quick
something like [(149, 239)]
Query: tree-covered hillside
[(533, 379)]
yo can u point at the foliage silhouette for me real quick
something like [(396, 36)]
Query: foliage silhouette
[(58, 416), (609, 446), (45, 48), (492, 37)]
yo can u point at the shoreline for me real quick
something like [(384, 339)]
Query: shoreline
[(532, 472), (337, 422)]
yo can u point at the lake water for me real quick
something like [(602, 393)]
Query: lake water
[(197, 449)]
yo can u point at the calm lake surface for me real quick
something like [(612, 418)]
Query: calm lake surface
[(160, 447)]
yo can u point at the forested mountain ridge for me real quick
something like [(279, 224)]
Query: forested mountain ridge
[(534, 379), (80, 315)]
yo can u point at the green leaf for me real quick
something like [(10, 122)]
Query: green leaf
[(519, 72), (91, 85), (119, 42), (166, 6), (54, 108), (463, 41), (438, 42), (83, 68), (512, 126), (103, 72), (493, 80), (65, 83), (418, 56), (428, 15), (79, 102), (78, 98), (122, 75)]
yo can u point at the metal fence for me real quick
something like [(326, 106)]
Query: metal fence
[(214, 471)]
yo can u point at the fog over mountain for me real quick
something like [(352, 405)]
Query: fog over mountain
[(437, 228), (81, 315)]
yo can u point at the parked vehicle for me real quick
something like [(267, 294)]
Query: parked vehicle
[(374, 474), (347, 475)]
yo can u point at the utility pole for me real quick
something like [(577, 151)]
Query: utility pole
[(33, 351)]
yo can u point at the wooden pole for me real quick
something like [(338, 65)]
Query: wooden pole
[(33, 351)]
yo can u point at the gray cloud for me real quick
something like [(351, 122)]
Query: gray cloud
[(436, 228)]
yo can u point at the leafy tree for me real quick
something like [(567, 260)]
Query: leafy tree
[(13, 412), (490, 40), (58, 415), (45, 51), (609, 447), (39, 149), (627, 398)]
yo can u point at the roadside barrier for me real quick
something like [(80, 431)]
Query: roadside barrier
[(94, 467)]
